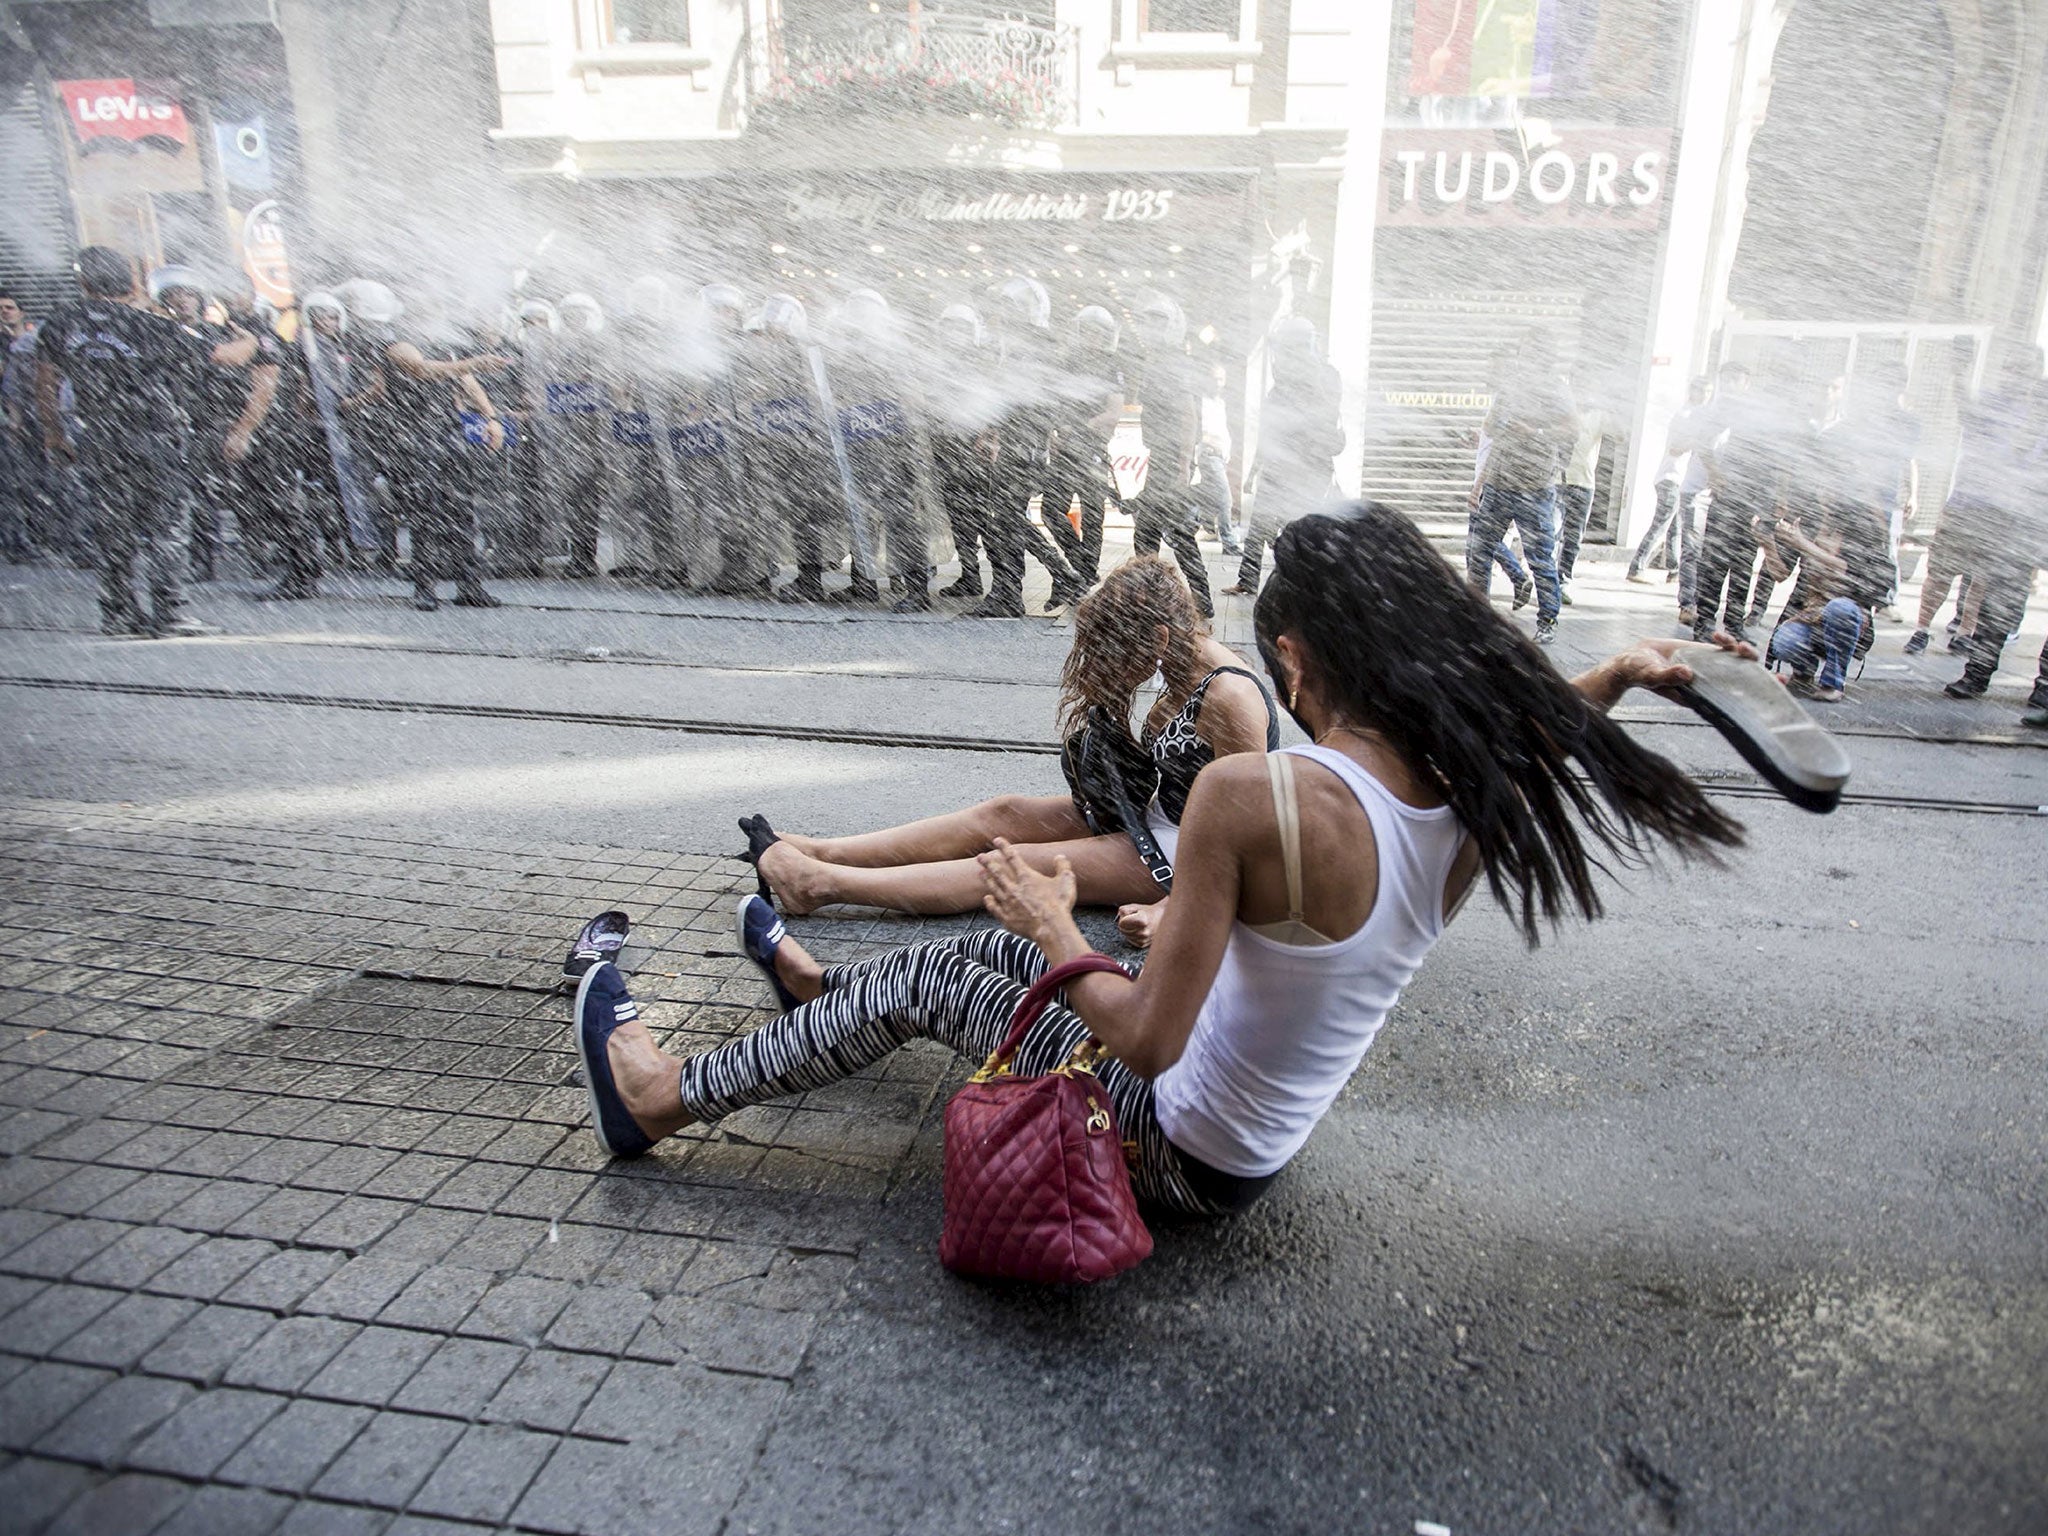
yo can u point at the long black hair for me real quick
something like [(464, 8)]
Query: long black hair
[(1398, 643)]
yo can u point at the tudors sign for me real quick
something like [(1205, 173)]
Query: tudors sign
[(1599, 178)]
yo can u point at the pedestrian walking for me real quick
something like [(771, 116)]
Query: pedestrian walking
[(1575, 492), (1671, 524), (1753, 445), (1530, 425), (130, 373), (1300, 435), (1213, 498)]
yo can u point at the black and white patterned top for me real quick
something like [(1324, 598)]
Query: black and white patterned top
[(1180, 752)]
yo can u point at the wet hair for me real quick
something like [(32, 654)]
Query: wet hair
[(1393, 640), (1115, 622), (104, 272)]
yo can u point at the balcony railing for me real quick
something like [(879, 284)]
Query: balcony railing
[(1008, 73)]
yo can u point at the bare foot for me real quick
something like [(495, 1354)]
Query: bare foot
[(795, 877), (809, 847), (804, 977), (649, 1081), (1138, 922)]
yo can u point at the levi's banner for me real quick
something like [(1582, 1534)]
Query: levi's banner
[(124, 110)]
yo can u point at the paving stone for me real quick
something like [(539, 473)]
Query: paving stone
[(518, 1310), (485, 1474), (126, 1331), (284, 1279), (219, 1511), (54, 1254), (214, 1205), (412, 1176), (354, 1223), (439, 1299), (134, 1501), (82, 1189), (346, 1169), (39, 1396), (390, 1459), (34, 1490), (45, 1321), (208, 1342), (601, 1319), (124, 1410), (373, 1365), (314, 1518), (592, 1488), (288, 1356), (549, 1390), (428, 1525), (648, 1261), (205, 1432), (19, 1132), (664, 1404), (499, 1243), (479, 1186), (131, 1260), (462, 1376), (212, 1267), (149, 1198), (294, 1448), (426, 1235), (361, 1288), (572, 1252), (284, 1216), (16, 1291)]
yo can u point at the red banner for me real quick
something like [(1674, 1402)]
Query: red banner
[(124, 110)]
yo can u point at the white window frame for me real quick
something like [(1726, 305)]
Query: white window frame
[(597, 55), (1185, 50)]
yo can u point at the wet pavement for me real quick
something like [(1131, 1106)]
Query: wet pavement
[(1723, 1214)]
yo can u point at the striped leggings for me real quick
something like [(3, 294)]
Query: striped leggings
[(961, 992)]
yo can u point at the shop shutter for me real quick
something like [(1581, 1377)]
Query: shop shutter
[(1427, 390), (35, 236)]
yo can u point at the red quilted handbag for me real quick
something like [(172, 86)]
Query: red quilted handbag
[(1036, 1187)]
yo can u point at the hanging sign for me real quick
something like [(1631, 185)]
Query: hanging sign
[(1459, 179), (124, 111)]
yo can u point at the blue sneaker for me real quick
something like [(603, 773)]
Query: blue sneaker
[(761, 933), (602, 1005), (599, 939)]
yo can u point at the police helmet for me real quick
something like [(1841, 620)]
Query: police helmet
[(1096, 327), (1024, 301), (1160, 319), (583, 304), (164, 279)]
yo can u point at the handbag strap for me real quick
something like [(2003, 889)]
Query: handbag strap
[(1033, 1003)]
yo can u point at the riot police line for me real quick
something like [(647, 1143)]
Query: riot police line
[(698, 441)]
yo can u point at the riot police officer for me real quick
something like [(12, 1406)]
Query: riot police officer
[(868, 364), (1168, 394), (1090, 399), (1024, 442), (963, 407), (787, 441)]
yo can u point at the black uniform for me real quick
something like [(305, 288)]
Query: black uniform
[(1301, 432), (1169, 397), (130, 371), (1079, 464), (787, 450), (1021, 471), (432, 477), (875, 426)]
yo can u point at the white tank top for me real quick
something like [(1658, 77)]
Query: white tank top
[(1285, 1025)]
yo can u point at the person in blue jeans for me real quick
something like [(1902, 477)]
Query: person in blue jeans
[(1841, 578), (1528, 429)]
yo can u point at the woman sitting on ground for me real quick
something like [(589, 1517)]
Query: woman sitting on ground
[(1312, 882), (1140, 623)]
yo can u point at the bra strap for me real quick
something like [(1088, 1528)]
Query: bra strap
[(1287, 810)]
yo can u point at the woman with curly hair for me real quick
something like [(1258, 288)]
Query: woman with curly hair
[(1139, 624)]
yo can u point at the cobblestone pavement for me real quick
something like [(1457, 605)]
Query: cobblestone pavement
[(300, 1224)]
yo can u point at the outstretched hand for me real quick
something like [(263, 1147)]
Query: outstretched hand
[(1027, 903), (1660, 665)]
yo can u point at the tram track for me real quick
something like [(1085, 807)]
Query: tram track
[(605, 656), (813, 733)]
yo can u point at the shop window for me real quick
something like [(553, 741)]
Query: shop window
[(647, 21), (1207, 18)]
